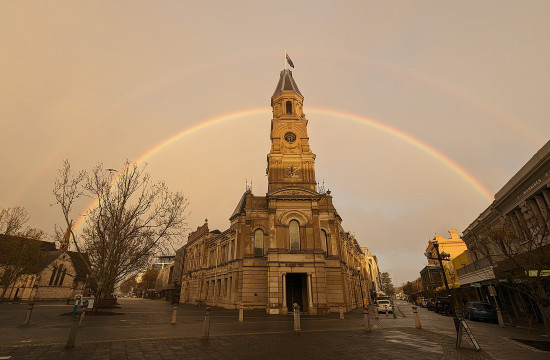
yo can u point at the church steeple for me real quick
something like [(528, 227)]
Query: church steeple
[(290, 163)]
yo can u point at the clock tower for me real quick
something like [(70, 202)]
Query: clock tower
[(290, 163)]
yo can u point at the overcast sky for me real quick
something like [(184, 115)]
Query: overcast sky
[(103, 81)]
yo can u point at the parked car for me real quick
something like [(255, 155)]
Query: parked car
[(442, 305), (383, 305), (424, 303), (479, 310), (430, 304)]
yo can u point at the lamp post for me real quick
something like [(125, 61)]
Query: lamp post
[(444, 257), (360, 285)]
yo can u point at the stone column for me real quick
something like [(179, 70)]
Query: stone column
[(309, 294)]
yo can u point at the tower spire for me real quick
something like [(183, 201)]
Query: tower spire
[(290, 161)]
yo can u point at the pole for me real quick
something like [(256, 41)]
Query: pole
[(72, 334), (284, 59), (297, 328), (241, 313), (451, 300), (416, 318), (29, 313), (206, 324), (366, 317), (174, 314), (361, 287), (341, 312)]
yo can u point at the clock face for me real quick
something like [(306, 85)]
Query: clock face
[(290, 137)]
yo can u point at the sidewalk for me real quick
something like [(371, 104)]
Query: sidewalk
[(145, 332)]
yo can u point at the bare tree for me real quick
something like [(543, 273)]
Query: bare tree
[(19, 256), (20, 253), (13, 220), (133, 220), (521, 253)]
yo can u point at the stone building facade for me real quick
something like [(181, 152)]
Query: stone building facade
[(522, 208), (63, 274), (282, 248)]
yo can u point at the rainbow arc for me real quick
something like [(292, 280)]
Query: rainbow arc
[(399, 134)]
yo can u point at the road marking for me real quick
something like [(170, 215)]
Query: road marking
[(26, 340), (5, 357), (413, 341)]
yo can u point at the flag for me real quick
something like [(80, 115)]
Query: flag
[(289, 61)]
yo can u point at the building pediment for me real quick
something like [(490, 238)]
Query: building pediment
[(293, 192)]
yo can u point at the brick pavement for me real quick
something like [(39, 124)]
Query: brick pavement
[(144, 332), (345, 344)]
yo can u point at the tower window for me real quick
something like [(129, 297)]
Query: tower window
[(324, 242), (258, 243), (294, 233), (289, 108)]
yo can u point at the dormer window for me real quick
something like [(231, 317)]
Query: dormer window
[(289, 108)]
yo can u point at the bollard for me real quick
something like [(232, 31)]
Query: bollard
[(416, 318), (72, 334), (241, 313), (206, 325), (376, 316), (82, 317), (393, 311), (174, 314), (29, 313), (341, 312), (367, 320), (386, 311), (297, 328)]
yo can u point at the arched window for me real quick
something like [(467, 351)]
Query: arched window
[(62, 277), (258, 242), (53, 275), (324, 244), (289, 108), (294, 233), (58, 275)]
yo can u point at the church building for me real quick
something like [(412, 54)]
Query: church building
[(285, 247)]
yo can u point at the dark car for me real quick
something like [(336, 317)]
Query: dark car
[(479, 310), (430, 304), (442, 305)]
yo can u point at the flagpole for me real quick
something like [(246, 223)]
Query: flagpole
[(285, 59)]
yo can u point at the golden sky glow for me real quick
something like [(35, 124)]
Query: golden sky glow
[(102, 81)]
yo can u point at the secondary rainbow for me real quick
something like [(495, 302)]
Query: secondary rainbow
[(431, 151)]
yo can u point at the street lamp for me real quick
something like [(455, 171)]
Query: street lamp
[(444, 257), (360, 285)]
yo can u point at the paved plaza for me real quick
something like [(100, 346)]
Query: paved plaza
[(142, 330)]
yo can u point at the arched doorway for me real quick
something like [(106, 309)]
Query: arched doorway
[(296, 291)]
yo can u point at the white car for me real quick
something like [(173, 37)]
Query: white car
[(383, 306)]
